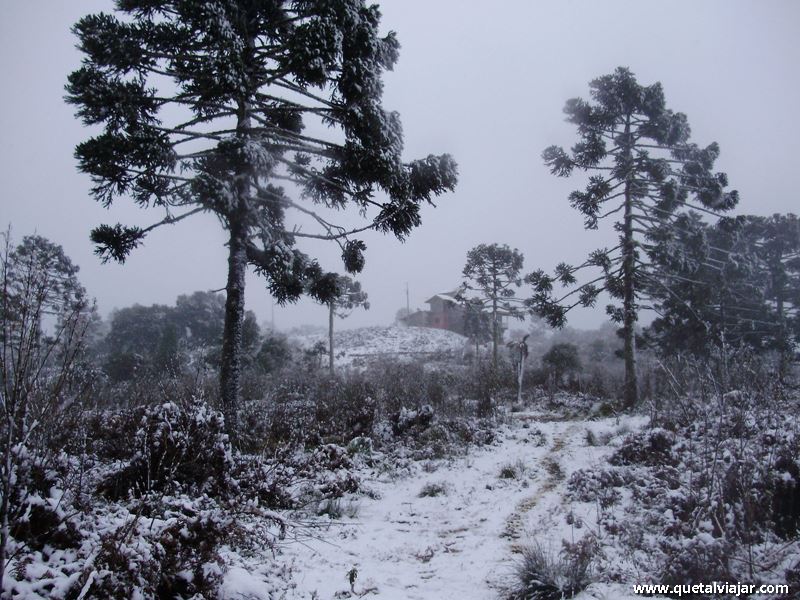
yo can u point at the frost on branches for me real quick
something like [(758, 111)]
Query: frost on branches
[(204, 109)]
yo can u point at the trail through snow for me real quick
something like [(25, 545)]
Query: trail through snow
[(460, 544)]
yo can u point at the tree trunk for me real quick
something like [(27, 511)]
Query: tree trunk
[(520, 375), (330, 337), (631, 390), (494, 332), (631, 393), (4, 501), (783, 340), (230, 374)]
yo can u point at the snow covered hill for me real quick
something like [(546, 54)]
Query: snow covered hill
[(354, 347)]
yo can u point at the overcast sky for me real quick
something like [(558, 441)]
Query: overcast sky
[(483, 81)]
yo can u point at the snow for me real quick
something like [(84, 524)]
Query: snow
[(242, 583), (353, 347), (459, 544)]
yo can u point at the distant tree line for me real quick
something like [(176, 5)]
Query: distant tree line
[(154, 339)]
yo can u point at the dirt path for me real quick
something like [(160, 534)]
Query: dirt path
[(551, 463)]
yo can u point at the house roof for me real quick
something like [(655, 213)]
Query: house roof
[(447, 296)]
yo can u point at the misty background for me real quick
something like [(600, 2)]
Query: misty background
[(485, 83)]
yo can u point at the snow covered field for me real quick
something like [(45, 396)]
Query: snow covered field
[(355, 346), (450, 528)]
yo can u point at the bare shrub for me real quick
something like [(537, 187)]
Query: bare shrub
[(590, 438)]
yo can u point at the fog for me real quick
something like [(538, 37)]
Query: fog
[(484, 82)]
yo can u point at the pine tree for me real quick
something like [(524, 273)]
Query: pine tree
[(203, 108), (777, 242), (492, 272), (734, 283), (712, 289), (645, 169), (347, 297)]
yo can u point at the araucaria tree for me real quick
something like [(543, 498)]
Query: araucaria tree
[(735, 283), (644, 169), (713, 295), (204, 107), (491, 274), (777, 243), (347, 297)]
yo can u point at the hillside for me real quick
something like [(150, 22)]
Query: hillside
[(354, 347)]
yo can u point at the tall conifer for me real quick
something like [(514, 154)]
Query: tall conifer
[(203, 107)]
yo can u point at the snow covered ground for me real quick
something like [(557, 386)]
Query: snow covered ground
[(355, 346), (460, 540)]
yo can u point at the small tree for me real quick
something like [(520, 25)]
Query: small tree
[(203, 107), (519, 353), (492, 272), (275, 352), (348, 297), (645, 169), (45, 315), (477, 323), (562, 359)]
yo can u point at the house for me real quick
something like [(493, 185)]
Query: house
[(445, 313)]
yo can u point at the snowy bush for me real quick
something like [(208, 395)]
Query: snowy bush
[(714, 496), (328, 471), (140, 502), (38, 515), (589, 485), (652, 447), (405, 420), (175, 446), (167, 550), (514, 470), (305, 409), (699, 558), (392, 405), (431, 490)]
